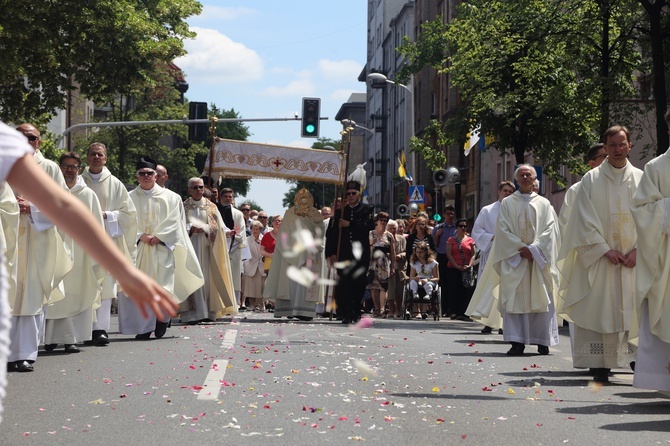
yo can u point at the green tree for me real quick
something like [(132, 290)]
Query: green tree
[(167, 144), (324, 194), (538, 75), (106, 47), (228, 130)]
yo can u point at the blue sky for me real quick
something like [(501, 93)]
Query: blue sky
[(261, 57)]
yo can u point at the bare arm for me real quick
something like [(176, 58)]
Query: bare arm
[(71, 215)]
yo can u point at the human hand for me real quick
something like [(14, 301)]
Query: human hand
[(631, 259), (615, 257), (525, 253), (344, 223), (147, 294), (24, 205)]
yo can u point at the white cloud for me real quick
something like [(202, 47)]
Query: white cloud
[(344, 70), (298, 87), (213, 57)]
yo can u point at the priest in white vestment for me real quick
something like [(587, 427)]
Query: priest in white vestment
[(69, 320), (206, 231), (298, 248), (483, 233), (598, 253), (42, 263), (651, 211), (594, 158), (522, 270), (236, 234), (164, 251), (120, 223)]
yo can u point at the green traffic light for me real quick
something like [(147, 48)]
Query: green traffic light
[(437, 218), (309, 128)]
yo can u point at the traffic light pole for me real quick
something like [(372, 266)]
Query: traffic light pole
[(88, 125)]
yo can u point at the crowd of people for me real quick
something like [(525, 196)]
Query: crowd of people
[(215, 259)]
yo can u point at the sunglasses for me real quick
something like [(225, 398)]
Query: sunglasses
[(197, 187), (245, 210), (145, 174), (462, 226), (350, 193), (32, 138), (264, 218)]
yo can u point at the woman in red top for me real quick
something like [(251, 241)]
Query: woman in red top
[(461, 252)]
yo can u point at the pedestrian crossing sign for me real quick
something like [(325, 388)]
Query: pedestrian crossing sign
[(416, 194)]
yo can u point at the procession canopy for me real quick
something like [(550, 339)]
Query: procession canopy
[(241, 159)]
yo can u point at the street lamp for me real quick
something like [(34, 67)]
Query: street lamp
[(379, 77), (349, 122)]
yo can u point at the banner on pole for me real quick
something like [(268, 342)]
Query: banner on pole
[(241, 159)]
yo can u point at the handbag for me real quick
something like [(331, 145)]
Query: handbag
[(467, 276)]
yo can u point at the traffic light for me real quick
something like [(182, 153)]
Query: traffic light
[(198, 132), (311, 113)]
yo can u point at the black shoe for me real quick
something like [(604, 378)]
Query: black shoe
[(516, 350), (71, 348), (632, 365), (304, 318), (500, 331), (50, 347), (601, 375), (346, 320), (463, 318), (543, 349), (161, 329), (487, 330), (453, 316), (23, 366), (99, 338), (143, 336), (11, 367)]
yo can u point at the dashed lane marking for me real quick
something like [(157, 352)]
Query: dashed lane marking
[(214, 380)]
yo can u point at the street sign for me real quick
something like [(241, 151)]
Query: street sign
[(416, 194)]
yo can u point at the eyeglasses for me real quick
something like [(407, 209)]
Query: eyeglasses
[(32, 138), (463, 226), (68, 167), (350, 193), (382, 220), (276, 221), (145, 173), (245, 210), (197, 187)]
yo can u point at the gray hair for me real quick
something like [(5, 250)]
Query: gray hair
[(392, 223), (193, 180), (526, 165), (256, 223)]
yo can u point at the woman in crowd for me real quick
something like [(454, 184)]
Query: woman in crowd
[(396, 279), (419, 233), (253, 268), (424, 272), (382, 248), (268, 243), (461, 252)]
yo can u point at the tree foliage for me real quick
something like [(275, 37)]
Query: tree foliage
[(228, 130), (540, 76), (324, 194), (107, 47)]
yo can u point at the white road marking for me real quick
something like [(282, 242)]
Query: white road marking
[(214, 380), (212, 386)]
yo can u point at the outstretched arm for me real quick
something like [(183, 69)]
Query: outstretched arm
[(71, 215)]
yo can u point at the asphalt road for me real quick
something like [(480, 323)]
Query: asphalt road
[(260, 380)]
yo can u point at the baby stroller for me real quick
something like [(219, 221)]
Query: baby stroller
[(412, 306)]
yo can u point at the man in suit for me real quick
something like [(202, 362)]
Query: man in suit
[(351, 223)]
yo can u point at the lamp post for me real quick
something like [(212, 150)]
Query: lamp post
[(379, 77)]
